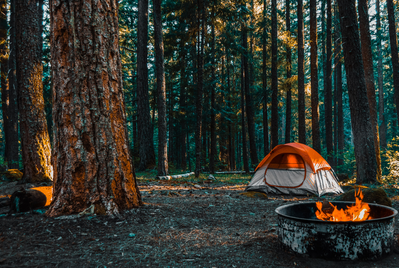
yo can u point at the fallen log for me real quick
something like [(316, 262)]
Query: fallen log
[(175, 176)]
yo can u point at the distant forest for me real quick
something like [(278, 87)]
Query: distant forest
[(233, 79)]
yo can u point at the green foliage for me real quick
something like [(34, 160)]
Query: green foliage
[(391, 162), (349, 162)]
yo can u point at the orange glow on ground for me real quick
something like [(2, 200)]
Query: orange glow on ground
[(358, 212), (48, 191)]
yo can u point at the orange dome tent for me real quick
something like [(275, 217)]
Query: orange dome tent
[(294, 168)]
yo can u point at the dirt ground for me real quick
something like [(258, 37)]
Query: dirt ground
[(179, 226)]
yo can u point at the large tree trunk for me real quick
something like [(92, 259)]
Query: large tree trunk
[(301, 77), (369, 75), (274, 127), (328, 88), (199, 98), (36, 149), (357, 91), (314, 77), (147, 153), (5, 92), (12, 142), (383, 126), (92, 164), (394, 52), (264, 85), (288, 100), (159, 58)]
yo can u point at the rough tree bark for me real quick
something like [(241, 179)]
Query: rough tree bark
[(274, 127), (159, 59), (36, 149), (301, 77), (357, 91), (314, 77), (5, 93), (147, 153), (92, 164), (288, 99), (383, 126), (12, 107), (367, 56)]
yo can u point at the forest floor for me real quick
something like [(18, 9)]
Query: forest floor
[(181, 224)]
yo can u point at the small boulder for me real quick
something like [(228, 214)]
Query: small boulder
[(27, 200), (211, 177), (370, 195), (254, 194)]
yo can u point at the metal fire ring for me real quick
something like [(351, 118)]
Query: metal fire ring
[(300, 231)]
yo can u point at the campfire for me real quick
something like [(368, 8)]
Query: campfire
[(359, 211), (337, 230)]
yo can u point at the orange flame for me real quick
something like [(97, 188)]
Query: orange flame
[(360, 211)]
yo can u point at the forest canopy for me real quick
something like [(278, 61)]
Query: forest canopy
[(214, 85)]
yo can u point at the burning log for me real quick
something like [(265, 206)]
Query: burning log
[(360, 211)]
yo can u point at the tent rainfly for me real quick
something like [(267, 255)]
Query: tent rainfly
[(294, 168)]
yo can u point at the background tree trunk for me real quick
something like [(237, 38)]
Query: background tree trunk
[(288, 101), (243, 108), (248, 61), (369, 76), (12, 146), (338, 92), (159, 58), (274, 127), (147, 153), (394, 52), (183, 88), (314, 77), (383, 125), (92, 164), (357, 91), (328, 89), (36, 149), (199, 99), (213, 97), (264, 85), (301, 77)]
